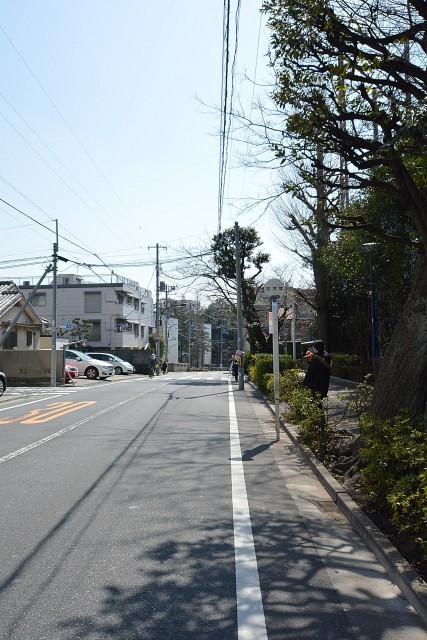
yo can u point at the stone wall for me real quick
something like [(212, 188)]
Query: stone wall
[(30, 368)]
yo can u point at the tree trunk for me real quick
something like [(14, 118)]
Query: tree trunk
[(402, 379), (322, 306), (321, 300)]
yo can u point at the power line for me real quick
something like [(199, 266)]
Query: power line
[(224, 102), (51, 231), (58, 159), (86, 152), (227, 98), (58, 175)]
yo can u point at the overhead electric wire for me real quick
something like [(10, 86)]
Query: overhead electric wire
[(57, 158), (68, 126), (227, 97), (51, 231), (58, 175), (224, 103)]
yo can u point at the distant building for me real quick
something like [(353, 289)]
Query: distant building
[(25, 335), (297, 305), (121, 312)]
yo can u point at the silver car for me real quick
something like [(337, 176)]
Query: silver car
[(88, 366), (120, 366)]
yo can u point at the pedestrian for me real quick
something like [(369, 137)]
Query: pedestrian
[(152, 365), (230, 363), (235, 370), (318, 371), (164, 367)]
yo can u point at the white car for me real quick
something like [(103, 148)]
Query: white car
[(88, 366), (120, 366)]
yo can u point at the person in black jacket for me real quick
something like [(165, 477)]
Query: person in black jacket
[(318, 371)]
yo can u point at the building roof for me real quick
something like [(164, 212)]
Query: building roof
[(10, 295)]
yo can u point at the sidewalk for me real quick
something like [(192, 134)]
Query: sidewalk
[(409, 582)]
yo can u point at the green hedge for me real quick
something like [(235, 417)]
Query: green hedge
[(347, 366), (395, 471), (261, 364)]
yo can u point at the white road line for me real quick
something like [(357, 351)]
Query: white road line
[(250, 610)]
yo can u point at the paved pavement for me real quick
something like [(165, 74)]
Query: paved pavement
[(411, 585), (406, 578)]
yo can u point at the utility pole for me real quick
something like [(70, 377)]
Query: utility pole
[(220, 341), (157, 336), (189, 335), (239, 306), (164, 287), (54, 312)]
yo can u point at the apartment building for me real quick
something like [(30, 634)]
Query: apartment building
[(121, 312)]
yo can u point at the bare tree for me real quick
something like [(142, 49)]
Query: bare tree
[(363, 64)]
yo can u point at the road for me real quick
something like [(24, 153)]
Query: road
[(139, 509)]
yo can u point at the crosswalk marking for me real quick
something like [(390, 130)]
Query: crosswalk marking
[(26, 391)]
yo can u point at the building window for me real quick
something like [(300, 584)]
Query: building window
[(95, 332), (136, 303), (93, 302), (123, 326), (142, 331), (119, 298), (29, 338), (39, 300), (135, 330), (11, 341)]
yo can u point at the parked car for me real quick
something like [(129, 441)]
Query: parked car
[(3, 383), (120, 366), (88, 366), (70, 372)]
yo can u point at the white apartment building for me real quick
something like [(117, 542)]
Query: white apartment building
[(121, 312)]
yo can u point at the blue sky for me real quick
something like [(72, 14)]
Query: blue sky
[(109, 124)]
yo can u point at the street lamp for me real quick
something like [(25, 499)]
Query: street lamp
[(369, 248)]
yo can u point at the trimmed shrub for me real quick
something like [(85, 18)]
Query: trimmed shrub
[(359, 400), (395, 471), (262, 364), (346, 366)]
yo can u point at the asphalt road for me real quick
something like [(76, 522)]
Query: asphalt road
[(139, 509)]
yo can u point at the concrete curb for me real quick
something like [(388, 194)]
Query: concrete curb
[(409, 582)]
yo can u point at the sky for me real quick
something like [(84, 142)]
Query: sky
[(110, 119)]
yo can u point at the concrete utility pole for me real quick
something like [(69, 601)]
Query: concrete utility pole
[(157, 336), (189, 335), (54, 311), (239, 306)]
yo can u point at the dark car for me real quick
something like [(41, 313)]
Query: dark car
[(3, 383)]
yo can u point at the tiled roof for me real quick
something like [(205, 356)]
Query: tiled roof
[(9, 295)]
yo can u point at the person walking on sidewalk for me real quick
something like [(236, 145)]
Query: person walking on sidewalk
[(235, 370), (318, 372), (152, 365)]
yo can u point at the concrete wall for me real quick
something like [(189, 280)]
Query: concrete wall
[(30, 368)]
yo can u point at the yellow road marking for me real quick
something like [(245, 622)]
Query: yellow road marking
[(51, 411)]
